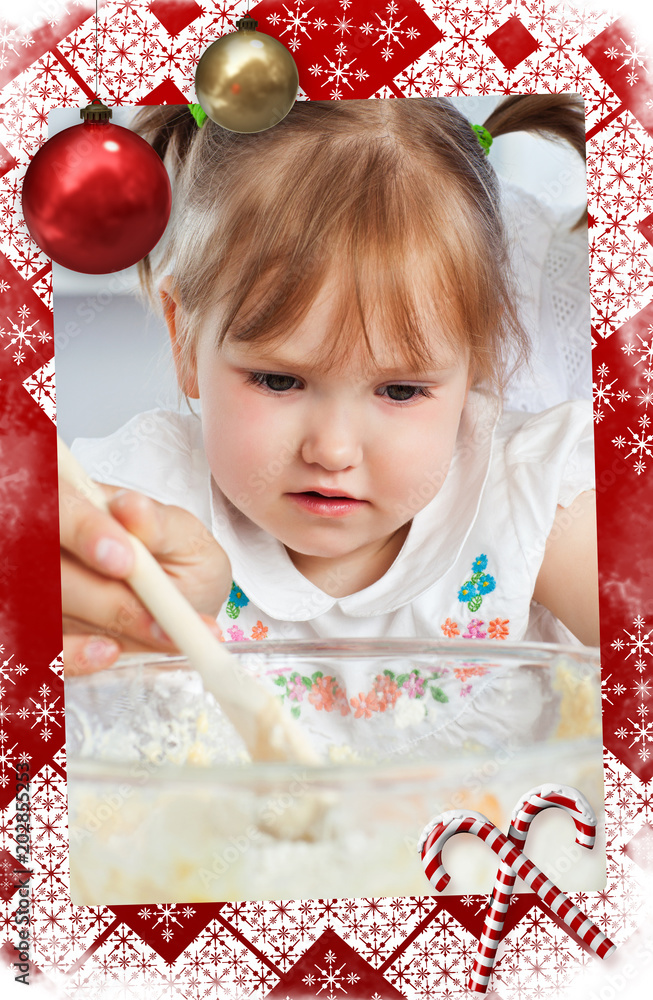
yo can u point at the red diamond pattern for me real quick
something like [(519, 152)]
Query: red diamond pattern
[(10, 876), (626, 65), (167, 927), (512, 43), (7, 161), (348, 50), (331, 967), (166, 93), (175, 15)]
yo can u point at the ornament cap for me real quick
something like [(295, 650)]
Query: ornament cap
[(247, 24), (96, 111)]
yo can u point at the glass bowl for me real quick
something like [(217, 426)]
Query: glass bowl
[(164, 805)]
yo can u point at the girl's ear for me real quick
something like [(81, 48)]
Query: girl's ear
[(185, 367)]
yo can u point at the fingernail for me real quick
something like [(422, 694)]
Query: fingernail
[(113, 557), (100, 652), (158, 634)]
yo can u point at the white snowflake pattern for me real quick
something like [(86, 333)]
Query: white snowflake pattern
[(636, 444), (641, 731), (45, 712), (330, 979), (343, 26), (7, 668), (389, 31), (607, 689), (604, 393), (339, 73), (640, 444), (7, 757), (297, 22), (41, 387), (645, 351), (635, 55), (637, 643), (167, 915), (21, 336)]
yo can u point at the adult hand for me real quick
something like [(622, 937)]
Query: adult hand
[(102, 616)]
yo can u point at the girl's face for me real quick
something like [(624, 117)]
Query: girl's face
[(334, 462)]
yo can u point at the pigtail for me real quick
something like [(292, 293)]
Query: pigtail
[(170, 130), (552, 116)]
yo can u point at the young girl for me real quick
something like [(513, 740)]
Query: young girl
[(339, 301)]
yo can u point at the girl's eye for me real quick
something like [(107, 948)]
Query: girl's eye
[(404, 393), (271, 381)]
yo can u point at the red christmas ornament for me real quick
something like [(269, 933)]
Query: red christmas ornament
[(96, 197)]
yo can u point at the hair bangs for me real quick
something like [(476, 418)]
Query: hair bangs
[(388, 242), (393, 200)]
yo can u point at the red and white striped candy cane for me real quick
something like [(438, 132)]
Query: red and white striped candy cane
[(445, 826), (539, 798)]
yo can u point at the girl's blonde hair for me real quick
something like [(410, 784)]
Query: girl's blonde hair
[(395, 196)]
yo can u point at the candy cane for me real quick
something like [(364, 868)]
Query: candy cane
[(542, 797), (445, 826)]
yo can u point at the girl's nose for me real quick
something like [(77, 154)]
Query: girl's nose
[(332, 442)]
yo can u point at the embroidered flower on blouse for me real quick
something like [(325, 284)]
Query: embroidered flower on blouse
[(450, 628), (387, 691), (322, 693), (479, 585), (414, 686), (474, 629), (498, 628), (237, 634), (365, 704), (236, 600), (296, 688), (340, 700), (467, 592), (259, 631), (467, 670), (327, 694)]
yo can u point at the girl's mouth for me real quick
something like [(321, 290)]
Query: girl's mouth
[(314, 502)]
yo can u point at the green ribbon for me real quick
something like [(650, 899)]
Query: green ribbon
[(199, 114), (484, 137)]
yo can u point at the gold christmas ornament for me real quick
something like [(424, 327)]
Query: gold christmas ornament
[(246, 81)]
